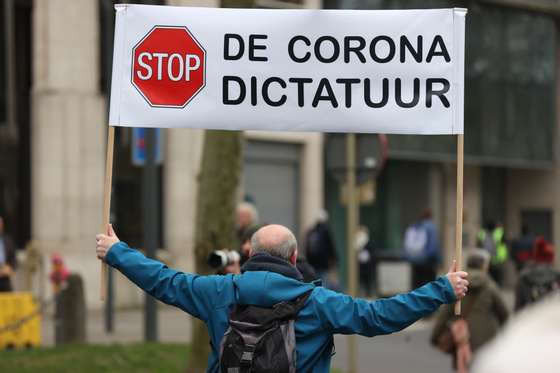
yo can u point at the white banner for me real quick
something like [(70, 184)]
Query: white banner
[(384, 71)]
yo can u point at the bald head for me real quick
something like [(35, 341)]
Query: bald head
[(275, 240)]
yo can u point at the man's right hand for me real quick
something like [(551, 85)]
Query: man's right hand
[(458, 280), (104, 242)]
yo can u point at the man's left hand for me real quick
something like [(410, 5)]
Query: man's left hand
[(458, 280)]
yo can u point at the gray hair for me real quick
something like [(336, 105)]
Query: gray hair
[(251, 209), (478, 259), (284, 249)]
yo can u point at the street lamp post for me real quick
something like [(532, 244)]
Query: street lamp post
[(352, 223), (355, 160), (151, 214)]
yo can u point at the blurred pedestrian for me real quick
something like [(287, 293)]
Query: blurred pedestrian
[(365, 252), (538, 279), (522, 248), (306, 269), (7, 258), (529, 343), (247, 218), (422, 249), (59, 273), (245, 247), (492, 238), (319, 248), (270, 303), (483, 313)]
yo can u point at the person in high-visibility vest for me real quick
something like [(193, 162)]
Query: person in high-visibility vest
[(492, 239)]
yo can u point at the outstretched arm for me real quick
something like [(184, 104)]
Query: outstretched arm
[(346, 315), (183, 290)]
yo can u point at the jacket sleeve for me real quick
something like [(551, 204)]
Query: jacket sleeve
[(191, 293), (343, 314)]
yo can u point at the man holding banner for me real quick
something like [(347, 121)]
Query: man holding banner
[(395, 72), (269, 278)]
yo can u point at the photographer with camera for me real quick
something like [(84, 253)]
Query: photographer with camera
[(225, 262)]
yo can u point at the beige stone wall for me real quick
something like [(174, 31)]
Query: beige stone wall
[(68, 135), (182, 162)]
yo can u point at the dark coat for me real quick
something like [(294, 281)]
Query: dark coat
[(485, 316), (319, 247)]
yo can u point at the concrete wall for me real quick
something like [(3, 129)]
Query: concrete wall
[(68, 134)]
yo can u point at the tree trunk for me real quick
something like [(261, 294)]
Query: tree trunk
[(215, 209), (215, 218)]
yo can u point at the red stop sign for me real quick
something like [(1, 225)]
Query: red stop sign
[(168, 66)]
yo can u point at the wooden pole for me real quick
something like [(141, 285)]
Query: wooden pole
[(107, 203), (353, 212), (459, 217)]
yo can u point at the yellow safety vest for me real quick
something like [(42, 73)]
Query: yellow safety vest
[(501, 254)]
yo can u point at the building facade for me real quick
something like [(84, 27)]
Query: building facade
[(55, 63), (512, 174), (53, 141)]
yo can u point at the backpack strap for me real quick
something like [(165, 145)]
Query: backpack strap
[(300, 301), (289, 309)]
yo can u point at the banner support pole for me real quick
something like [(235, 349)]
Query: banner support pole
[(107, 204), (459, 217)]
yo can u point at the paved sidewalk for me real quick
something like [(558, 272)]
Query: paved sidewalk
[(401, 352), (174, 326)]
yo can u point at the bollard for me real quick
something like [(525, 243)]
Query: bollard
[(70, 313)]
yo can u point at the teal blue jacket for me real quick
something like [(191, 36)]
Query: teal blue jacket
[(325, 313)]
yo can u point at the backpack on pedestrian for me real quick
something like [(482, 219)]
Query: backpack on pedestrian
[(261, 339), (415, 242)]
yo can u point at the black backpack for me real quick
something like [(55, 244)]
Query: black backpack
[(261, 339)]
